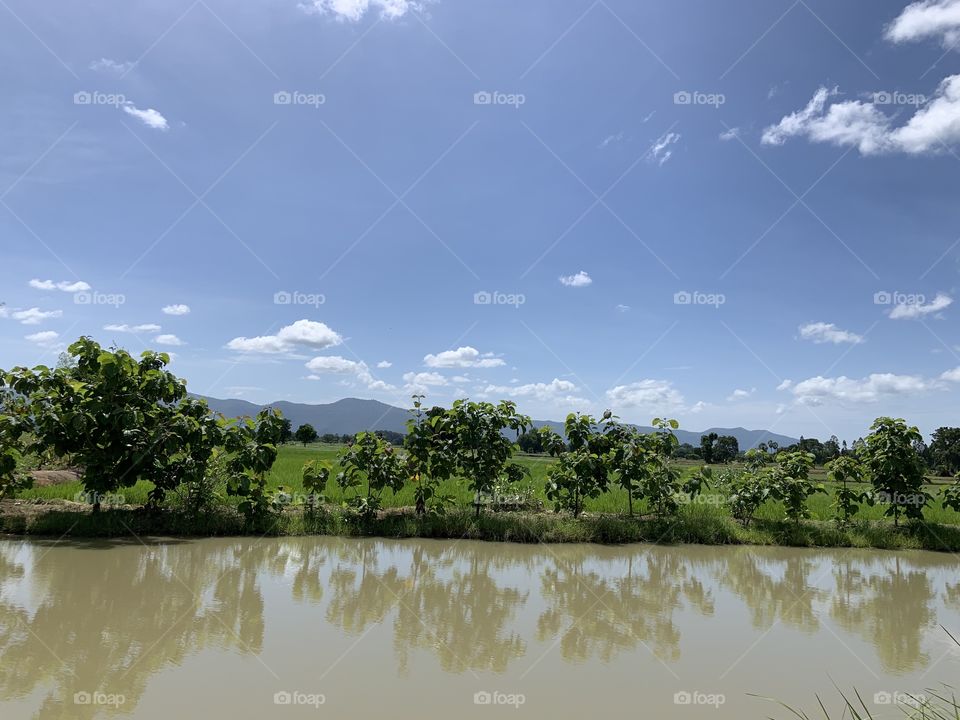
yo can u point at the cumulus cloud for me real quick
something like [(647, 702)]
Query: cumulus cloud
[(421, 382), (301, 334), (107, 65), (927, 19), (149, 117), (463, 357), (739, 394), (918, 310), (176, 310), (581, 279), (65, 285), (731, 134), (31, 316), (656, 396), (821, 332), (877, 386), (45, 339), (661, 150), (353, 10), (857, 123), (555, 391), (384, 364), (951, 375), (171, 340), (146, 327), (336, 365)]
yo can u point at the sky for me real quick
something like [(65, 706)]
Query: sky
[(735, 213)]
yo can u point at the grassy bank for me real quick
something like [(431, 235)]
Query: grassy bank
[(699, 524)]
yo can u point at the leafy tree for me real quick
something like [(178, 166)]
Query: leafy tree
[(707, 445), (373, 462), (315, 477), (431, 444), (846, 469), (531, 442), (896, 469), (790, 483), (329, 438), (252, 444), (748, 490), (286, 431), (482, 450), (306, 434), (725, 449), (583, 468), (945, 450)]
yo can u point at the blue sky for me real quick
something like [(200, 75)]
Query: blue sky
[(736, 213)]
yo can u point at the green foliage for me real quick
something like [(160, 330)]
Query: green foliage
[(306, 434), (583, 470), (747, 492), (790, 483), (314, 477), (373, 464), (846, 504), (252, 444), (431, 445), (896, 468), (951, 495), (944, 450)]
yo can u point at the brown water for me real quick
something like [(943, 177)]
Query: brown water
[(394, 629)]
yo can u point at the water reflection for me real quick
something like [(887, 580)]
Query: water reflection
[(85, 617)]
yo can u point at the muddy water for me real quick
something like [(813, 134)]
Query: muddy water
[(336, 628)]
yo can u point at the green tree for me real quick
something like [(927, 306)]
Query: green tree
[(790, 483), (431, 445), (725, 449), (286, 431), (945, 450), (372, 462), (583, 467), (707, 445), (896, 470), (306, 434), (844, 470)]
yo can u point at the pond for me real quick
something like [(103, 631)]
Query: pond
[(344, 628)]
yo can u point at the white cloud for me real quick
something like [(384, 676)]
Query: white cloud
[(336, 365), (145, 328), (785, 385), (877, 386), (556, 390), (699, 407), (463, 357), (656, 396), (172, 340), (919, 310), (821, 332), (149, 117), (926, 19), (934, 126), (622, 308), (353, 10), (731, 134), (384, 364), (110, 66), (65, 286), (176, 310), (661, 152), (739, 394), (951, 375), (421, 382), (33, 316), (610, 139), (581, 279), (46, 338), (303, 333)]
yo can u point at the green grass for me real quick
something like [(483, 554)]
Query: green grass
[(606, 519)]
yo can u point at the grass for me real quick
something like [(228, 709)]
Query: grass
[(605, 520)]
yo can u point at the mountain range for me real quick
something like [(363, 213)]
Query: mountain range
[(351, 415)]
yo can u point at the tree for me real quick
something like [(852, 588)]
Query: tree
[(790, 483), (726, 449), (843, 470), (431, 444), (286, 430), (896, 469), (252, 445), (583, 468), (306, 434), (375, 461), (531, 442), (945, 450), (707, 443)]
